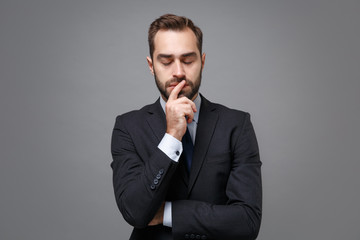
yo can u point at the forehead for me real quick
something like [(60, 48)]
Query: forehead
[(175, 42)]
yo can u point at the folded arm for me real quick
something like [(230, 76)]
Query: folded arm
[(140, 184), (240, 216)]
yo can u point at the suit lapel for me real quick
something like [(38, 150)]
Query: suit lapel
[(157, 120), (207, 121)]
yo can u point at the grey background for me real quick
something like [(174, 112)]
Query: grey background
[(67, 68)]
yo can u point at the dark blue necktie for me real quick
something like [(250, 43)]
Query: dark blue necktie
[(188, 148)]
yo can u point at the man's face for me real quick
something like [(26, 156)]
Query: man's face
[(175, 58)]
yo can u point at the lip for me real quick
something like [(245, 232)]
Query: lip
[(175, 84)]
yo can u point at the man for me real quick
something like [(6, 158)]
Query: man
[(184, 167)]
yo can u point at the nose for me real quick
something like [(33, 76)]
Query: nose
[(178, 71)]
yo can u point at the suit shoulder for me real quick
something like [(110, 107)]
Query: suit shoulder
[(236, 121), (227, 112), (134, 115), (137, 112)]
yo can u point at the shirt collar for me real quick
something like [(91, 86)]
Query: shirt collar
[(197, 102)]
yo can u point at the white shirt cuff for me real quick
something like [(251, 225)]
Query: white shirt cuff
[(171, 147), (167, 219)]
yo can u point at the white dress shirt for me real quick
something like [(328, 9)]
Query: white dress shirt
[(173, 149)]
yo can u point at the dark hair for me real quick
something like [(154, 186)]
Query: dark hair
[(172, 22)]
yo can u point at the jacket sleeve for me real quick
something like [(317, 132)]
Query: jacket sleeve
[(240, 217), (141, 180)]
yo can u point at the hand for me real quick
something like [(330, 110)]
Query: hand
[(159, 216), (179, 112)]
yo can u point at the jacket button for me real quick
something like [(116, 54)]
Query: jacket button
[(192, 236), (156, 181), (152, 186), (161, 171), (158, 176), (203, 237), (186, 236), (198, 237)]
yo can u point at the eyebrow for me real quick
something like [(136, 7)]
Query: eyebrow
[(164, 56), (190, 54)]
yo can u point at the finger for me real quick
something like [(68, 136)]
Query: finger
[(193, 106), (175, 92), (189, 115), (185, 100), (189, 120)]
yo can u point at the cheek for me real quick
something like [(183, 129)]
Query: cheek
[(196, 67), (161, 73), (162, 77), (194, 71)]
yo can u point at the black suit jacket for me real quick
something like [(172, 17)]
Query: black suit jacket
[(219, 199)]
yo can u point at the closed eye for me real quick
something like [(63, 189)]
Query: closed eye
[(166, 63)]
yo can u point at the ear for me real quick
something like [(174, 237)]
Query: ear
[(203, 61), (150, 64)]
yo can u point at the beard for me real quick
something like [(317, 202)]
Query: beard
[(194, 86)]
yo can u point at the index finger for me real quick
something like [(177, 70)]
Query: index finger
[(176, 90)]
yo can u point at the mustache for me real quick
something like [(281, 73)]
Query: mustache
[(177, 80)]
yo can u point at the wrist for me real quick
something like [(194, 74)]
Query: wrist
[(175, 134)]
